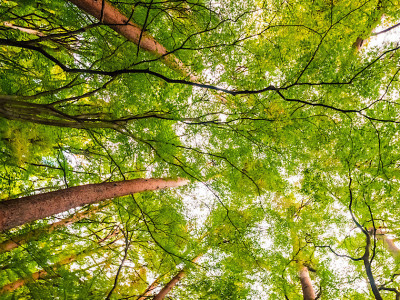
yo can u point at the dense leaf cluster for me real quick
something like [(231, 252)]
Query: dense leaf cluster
[(285, 124)]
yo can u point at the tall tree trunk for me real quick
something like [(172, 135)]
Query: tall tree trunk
[(306, 284), (368, 270), (109, 15), (387, 242), (367, 265), (165, 290), (149, 290), (32, 235), (19, 211), (41, 274), (390, 246)]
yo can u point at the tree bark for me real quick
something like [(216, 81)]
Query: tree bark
[(21, 239), (41, 274), (23, 29), (367, 265), (371, 279), (358, 43), (165, 290), (109, 15), (391, 247), (387, 242), (149, 290), (306, 284), (19, 211), (168, 287), (14, 109)]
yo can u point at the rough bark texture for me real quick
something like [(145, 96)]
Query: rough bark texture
[(109, 15), (306, 284), (21, 239), (19, 211)]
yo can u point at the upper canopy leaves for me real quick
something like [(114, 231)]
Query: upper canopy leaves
[(285, 126)]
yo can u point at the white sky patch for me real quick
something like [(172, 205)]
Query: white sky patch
[(213, 76), (390, 36), (222, 117), (198, 204)]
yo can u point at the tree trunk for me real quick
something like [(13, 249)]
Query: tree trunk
[(387, 242), (41, 274), (32, 235), (149, 290), (306, 284), (23, 29), (8, 288), (358, 43), (371, 279), (391, 247), (109, 15), (367, 265), (165, 290), (19, 211)]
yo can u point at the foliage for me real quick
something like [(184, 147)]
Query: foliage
[(287, 133)]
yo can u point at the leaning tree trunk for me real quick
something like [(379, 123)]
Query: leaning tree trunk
[(165, 290), (388, 243), (149, 290), (168, 287), (306, 284), (109, 15), (391, 247), (45, 274), (35, 234), (19, 211)]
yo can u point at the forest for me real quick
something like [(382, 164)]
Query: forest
[(200, 149)]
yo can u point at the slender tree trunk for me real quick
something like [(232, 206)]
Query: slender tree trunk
[(41, 274), (306, 284), (367, 265), (19, 211), (149, 290), (21, 282), (23, 29), (168, 287), (387, 242), (109, 15), (21, 239), (165, 290), (371, 279), (391, 247), (386, 30)]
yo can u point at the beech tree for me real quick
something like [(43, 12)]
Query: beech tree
[(283, 116)]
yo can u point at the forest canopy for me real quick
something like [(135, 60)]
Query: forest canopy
[(194, 149)]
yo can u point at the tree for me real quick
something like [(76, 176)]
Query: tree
[(22, 210), (287, 133), (306, 285), (35, 234)]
